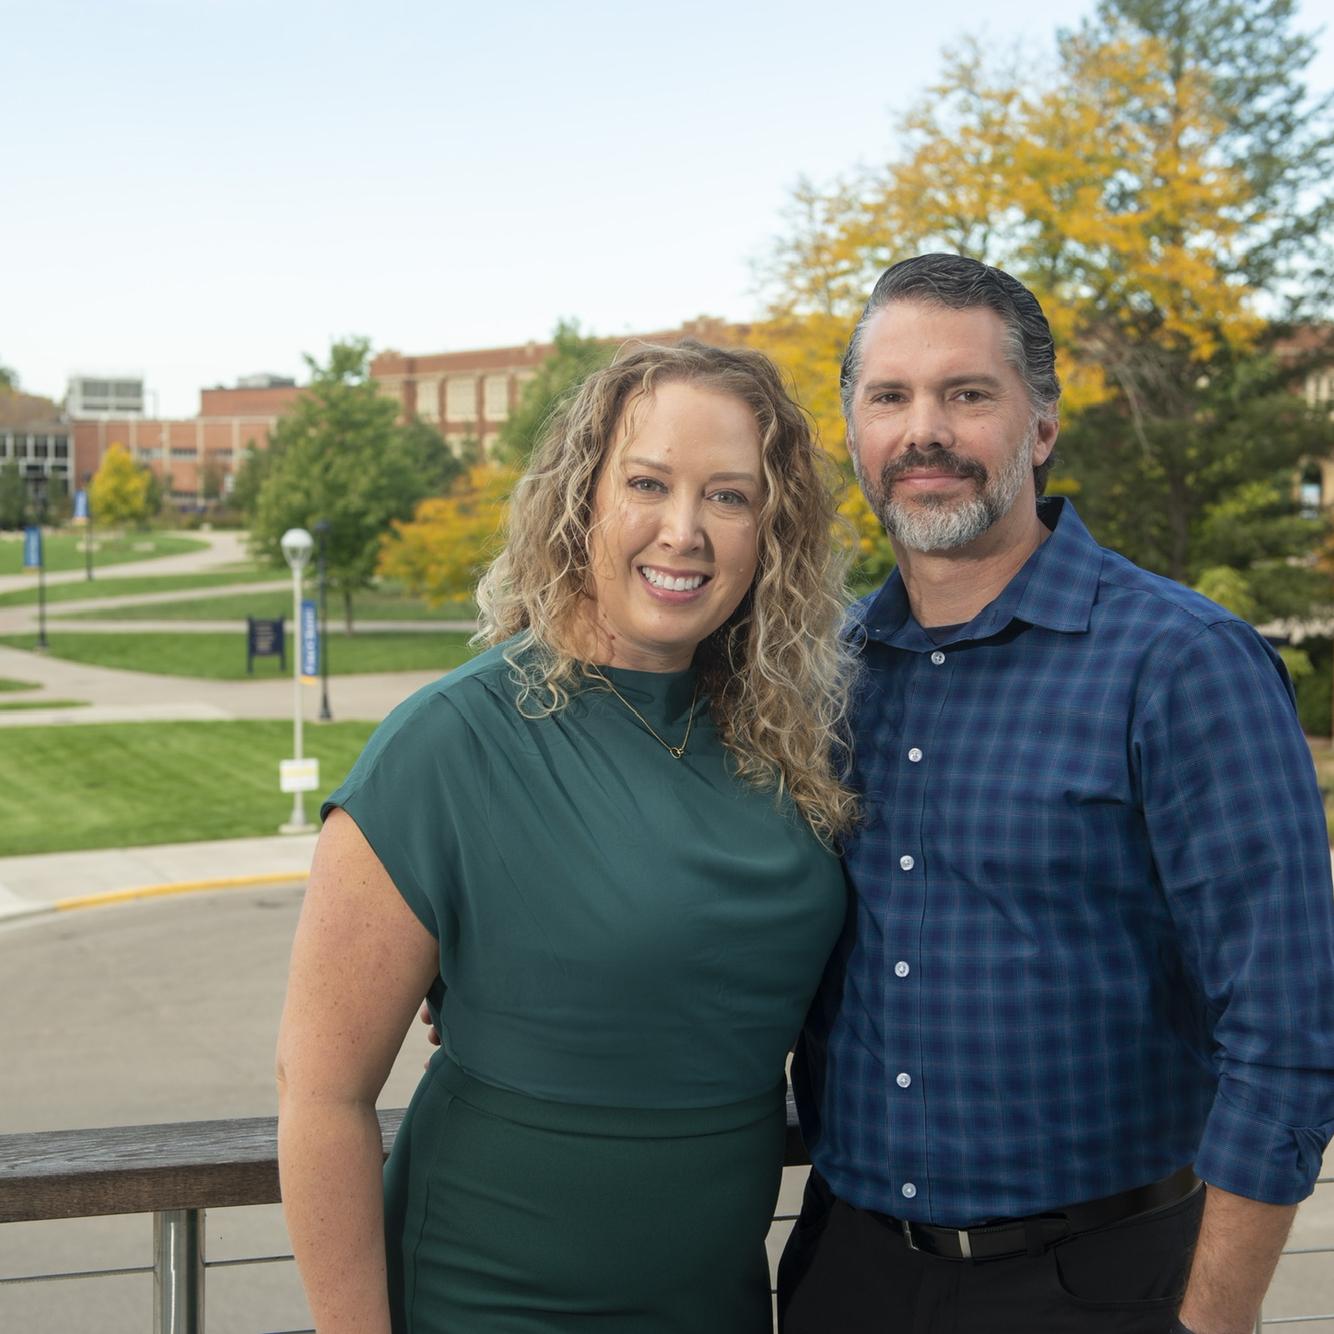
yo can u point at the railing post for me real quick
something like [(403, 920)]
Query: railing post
[(1259, 1321), (178, 1271)]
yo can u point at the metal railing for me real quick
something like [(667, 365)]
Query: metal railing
[(177, 1172)]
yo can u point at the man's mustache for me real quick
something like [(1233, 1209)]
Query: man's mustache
[(938, 460)]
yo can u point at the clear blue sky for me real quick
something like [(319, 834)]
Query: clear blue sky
[(198, 189)]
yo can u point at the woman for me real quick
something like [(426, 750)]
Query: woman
[(602, 850)]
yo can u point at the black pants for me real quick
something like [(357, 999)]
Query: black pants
[(846, 1271)]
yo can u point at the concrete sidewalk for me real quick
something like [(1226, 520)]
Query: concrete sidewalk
[(224, 548), (63, 881), (121, 696)]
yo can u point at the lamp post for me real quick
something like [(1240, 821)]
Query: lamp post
[(296, 544), (322, 532)]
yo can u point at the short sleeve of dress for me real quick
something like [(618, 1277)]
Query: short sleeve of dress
[(398, 793)]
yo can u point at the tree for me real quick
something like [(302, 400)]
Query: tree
[(119, 491), (437, 465), (441, 552), (1167, 174), (9, 380), (340, 456), (248, 480), (210, 480), (13, 495), (574, 358)]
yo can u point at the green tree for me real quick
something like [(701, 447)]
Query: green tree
[(575, 356), (9, 380), (210, 480), (438, 465), (13, 495), (338, 455), (248, 480), (120, 490), (1163, 183), (59, 504)]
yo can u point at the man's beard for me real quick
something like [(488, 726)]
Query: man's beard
[(942, 522)]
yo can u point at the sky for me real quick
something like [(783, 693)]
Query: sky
[(196, 190)]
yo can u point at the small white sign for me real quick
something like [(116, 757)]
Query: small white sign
[(298, 775)]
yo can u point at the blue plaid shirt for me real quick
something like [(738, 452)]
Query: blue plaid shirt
[(1092, 937)]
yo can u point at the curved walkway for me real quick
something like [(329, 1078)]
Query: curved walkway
[(110, 694)]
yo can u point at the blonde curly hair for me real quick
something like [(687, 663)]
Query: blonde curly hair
[(776, 673)]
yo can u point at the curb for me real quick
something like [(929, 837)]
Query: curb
[(16, 908)]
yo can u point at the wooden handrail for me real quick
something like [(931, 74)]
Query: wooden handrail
[(181, 1165)]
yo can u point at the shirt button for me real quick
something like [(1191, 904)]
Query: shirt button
[(937, 657), (901, 969), (904, 1080), (914, 755), (909, 1190), (907, 863)]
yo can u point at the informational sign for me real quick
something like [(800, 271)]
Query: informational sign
[(81, 506), (264, 639), (32, 547), (299, 775), (310, 640)]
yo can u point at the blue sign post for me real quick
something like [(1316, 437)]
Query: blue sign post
[(81, 506), (32, 560), (310, 641)]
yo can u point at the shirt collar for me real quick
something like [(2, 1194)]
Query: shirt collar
[(1055, 588)]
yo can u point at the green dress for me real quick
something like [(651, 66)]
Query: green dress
[(628, 945)]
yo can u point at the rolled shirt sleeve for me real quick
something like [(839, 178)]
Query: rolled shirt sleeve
[(1237, 832)]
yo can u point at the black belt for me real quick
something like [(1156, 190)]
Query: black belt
[(1033, 1235)]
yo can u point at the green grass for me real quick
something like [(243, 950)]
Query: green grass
[(221, 657), (64, 550), (43, 704), (127, 784), (129, 584), (372, 606), (7, 683)]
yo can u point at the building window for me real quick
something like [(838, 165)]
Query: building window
[(428, 400), (183, 452), (461, 398), (60, 448), (497, 397)]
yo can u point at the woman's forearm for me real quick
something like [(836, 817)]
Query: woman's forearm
[(329, 1163)]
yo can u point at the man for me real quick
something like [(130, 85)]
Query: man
[(1091, 943)]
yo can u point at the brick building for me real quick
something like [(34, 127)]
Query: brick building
[(469, 395), (185, 449)]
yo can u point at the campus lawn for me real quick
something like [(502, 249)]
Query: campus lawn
[(111, 586), (369, 606), (7, 684), (63, 550), (10, 704), (221, 657), (126, 784)]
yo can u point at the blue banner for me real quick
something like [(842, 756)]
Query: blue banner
[(81, 504), (32, 547), (310, 639)]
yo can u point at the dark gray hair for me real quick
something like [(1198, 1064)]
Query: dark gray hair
[(959, 283)]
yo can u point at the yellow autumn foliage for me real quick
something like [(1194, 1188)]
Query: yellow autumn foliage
[(441, 551)]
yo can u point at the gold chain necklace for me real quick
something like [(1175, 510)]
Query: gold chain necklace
[(674, 751)]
